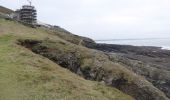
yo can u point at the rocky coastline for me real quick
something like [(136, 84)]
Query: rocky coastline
[(137, 71), (153, 63)]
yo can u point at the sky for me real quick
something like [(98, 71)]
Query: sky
[(104, 19)]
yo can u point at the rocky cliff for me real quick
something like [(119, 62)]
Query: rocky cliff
[(150, 62), (97, 66), (53, 64)]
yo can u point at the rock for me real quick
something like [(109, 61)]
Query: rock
[(96, 66), (151, 62)]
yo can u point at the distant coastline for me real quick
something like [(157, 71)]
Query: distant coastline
[(164, 43), (131, 39)]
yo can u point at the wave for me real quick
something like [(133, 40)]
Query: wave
[(166, 47)]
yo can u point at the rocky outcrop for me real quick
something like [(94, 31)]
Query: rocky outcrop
[(151, 62), (95, 65)]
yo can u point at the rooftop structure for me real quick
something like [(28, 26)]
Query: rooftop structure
[(28, 14)]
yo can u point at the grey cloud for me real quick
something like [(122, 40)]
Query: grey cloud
[(105, 18)]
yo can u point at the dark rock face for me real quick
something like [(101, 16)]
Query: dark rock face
[(160, 78), (151, 62), (72, 60), (69, 60)]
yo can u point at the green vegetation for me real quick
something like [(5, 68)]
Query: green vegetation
[(28, 76), (5, 10)]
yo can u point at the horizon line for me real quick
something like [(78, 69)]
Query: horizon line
[(131, 39)]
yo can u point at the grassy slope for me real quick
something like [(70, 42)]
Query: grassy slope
[(5, 10), (27, 76)]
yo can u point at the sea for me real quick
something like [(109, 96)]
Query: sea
[(164, 43)]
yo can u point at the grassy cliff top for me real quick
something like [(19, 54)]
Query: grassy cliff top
[(5, 10), (28, 76)]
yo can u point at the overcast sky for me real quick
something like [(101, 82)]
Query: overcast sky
[(104, 19)]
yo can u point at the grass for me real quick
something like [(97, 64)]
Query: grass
[(5, 10), (89, 59), (27, 76)]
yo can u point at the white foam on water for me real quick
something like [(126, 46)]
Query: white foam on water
[(166, 47)]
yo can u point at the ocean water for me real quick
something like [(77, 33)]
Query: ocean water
[(158, 42)]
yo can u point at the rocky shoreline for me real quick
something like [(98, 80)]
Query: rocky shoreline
[(153, 63), (117, 66)]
